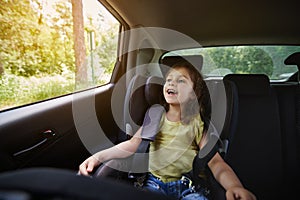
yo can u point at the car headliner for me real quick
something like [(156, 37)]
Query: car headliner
[(216, 22)]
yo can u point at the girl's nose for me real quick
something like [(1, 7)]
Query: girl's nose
[(171, 83)]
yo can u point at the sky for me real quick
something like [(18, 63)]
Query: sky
[(91, 7)]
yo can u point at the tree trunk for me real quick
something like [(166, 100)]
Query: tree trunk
[(1, 69), (79, 44)]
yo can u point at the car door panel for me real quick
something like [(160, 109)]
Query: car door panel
[(44, 134)]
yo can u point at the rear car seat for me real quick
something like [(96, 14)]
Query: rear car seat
[(255, 150), (288, 94)]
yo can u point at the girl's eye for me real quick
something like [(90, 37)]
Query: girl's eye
[(181, 81), (168, 80)]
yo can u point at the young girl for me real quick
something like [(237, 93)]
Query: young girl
[(181, 135)]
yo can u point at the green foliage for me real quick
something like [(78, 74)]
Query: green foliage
[(18, 90), (34, 44), (278, 55), (269, 60), (37, 59), (242, 59), (107, 50)]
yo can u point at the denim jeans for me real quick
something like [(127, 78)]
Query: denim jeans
[(180, 189)]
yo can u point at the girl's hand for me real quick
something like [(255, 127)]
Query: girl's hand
[(239, 193), (88, 165)]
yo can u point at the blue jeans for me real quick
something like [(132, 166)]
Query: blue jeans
[(180, 189)]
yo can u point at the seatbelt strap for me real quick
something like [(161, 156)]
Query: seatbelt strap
[(213, 145), (149, 130), (152, 121), (206, 153)]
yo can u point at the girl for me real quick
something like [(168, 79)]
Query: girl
[(181, 135)]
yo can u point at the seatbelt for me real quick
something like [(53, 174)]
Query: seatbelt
[(205, 154), (140, 159), (211, 147)]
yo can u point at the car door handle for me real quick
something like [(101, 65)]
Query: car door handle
[(48, 134)]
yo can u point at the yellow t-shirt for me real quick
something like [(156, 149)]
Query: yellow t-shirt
[(174, 148)]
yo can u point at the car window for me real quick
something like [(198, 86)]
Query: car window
[(269, 60), (45, 52)]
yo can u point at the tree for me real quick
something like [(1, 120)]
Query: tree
[(108, 49), (241, 59), (33, 43), (18, 25), (62, 35), (1, 69), (79, 43)]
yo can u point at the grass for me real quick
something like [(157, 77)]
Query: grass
[(18, 90)]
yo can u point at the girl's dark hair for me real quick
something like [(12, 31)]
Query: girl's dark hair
[(203, 103)]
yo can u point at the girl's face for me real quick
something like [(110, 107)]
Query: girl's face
[(178, 88)]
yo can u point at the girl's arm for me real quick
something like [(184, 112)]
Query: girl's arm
[(225, 175), (228, 179), (121, 150)]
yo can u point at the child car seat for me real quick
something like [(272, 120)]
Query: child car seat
[(143, 96), (142, 93)]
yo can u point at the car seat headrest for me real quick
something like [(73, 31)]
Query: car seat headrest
[(169, 61), (250, 84), (293, 59)]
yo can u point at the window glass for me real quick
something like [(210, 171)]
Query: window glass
[(45, 52), (269, 60)]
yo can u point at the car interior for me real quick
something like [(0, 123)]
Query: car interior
[(257, 117)]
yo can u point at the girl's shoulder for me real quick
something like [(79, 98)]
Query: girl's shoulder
[(197, 122), (196, 118)]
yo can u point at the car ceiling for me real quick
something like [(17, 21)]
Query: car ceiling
[(216, 22)]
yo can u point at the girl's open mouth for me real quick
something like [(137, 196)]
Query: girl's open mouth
[(171, 92)]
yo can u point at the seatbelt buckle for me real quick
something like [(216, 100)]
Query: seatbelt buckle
[(139, 180), (187, 181)]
